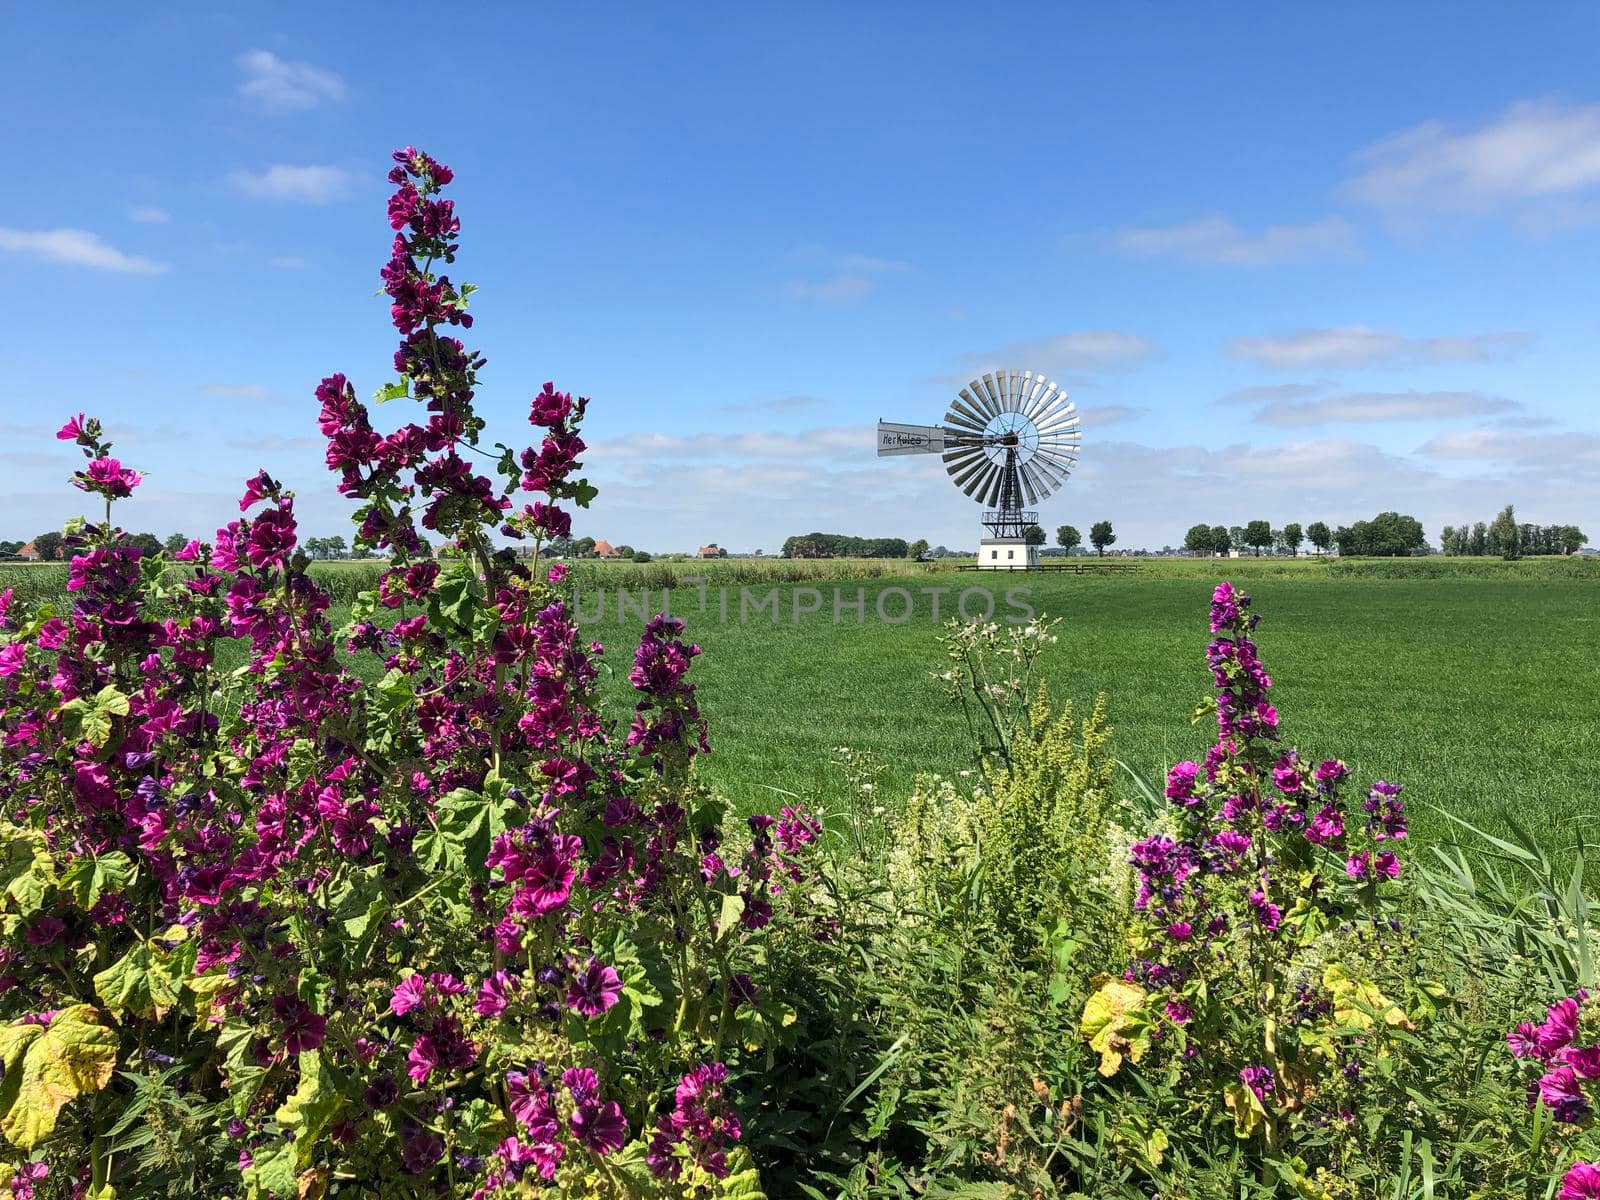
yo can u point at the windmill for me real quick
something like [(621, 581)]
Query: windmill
[(1010, 438)]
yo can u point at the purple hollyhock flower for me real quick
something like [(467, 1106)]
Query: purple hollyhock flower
[(1180, 783), (1524, 1040), (302, 1028), (1581, 1182), (108, 477), (1326, 826), (601, 1127), (495, 994), (1584, 1061), (411, 992), (1258, 1079), (381, 1092), (1562, 1095), (44, 931), (594, 989), (1559, 1028), (421, 1152)]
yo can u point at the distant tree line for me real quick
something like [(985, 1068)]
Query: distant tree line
[(1388, 534), (842, 545), (1257, 536), (1508, 538)]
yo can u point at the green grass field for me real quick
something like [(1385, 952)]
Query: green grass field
[(1475, 683), (1474, 692)]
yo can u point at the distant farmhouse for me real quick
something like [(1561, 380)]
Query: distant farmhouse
[(713, 551), (604, 549)]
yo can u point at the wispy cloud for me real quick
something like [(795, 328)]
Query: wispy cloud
[(1359, 346), (149, 214), (1269, 393), (1080, 350), (1218, 240), (1558, 454), (1535, 160), (75, 246), (1099, 416), (843, 278), (300, 185), (280, 86), (287, 262), (1382, 406), (826, 443)]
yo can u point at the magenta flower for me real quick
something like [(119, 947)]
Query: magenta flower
[(1581, 1182), (1562, 1095), (495, 994), (594, 989), (302, 1028), (409, 993), (108, 477), (1259, 1080), (73, 430)]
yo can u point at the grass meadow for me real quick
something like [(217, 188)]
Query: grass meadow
[(1476, 683)]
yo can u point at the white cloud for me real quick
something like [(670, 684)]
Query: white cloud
[(280, 86), (1535, 154), (831, 443), (1099, 416), (843, 278), (1218, 240), (1571, 455), (301, 185), (1382, 406), (149, 214), (1360, 346), (76, 246), (1269, 393), (1077, 351)]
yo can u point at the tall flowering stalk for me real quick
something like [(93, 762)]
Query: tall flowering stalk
[(1262, 935), (448, 932)]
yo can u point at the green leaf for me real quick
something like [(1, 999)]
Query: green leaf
[(582, 492), (308, 1112), (143, 983), (391, 391), (27, 871), (90, 878), (743, 1181), (48, 1068)]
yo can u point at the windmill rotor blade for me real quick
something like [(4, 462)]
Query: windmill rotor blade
[(956, 463), (1028, 487), (1066, 423), (964, 473), (976, 395), (1045, 470), (998, 489), (961, 414), (992, 391), (978, 484)]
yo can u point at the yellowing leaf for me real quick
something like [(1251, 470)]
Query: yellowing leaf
[(1248, 1115), (48, 1069), (26, 869), (307, 1113), (143, 982), (1359, 1003), (1111, 1013)]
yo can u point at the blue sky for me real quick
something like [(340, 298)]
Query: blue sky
[(1295, 264)]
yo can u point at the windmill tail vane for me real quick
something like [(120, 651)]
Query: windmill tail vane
[(1009, 439)]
